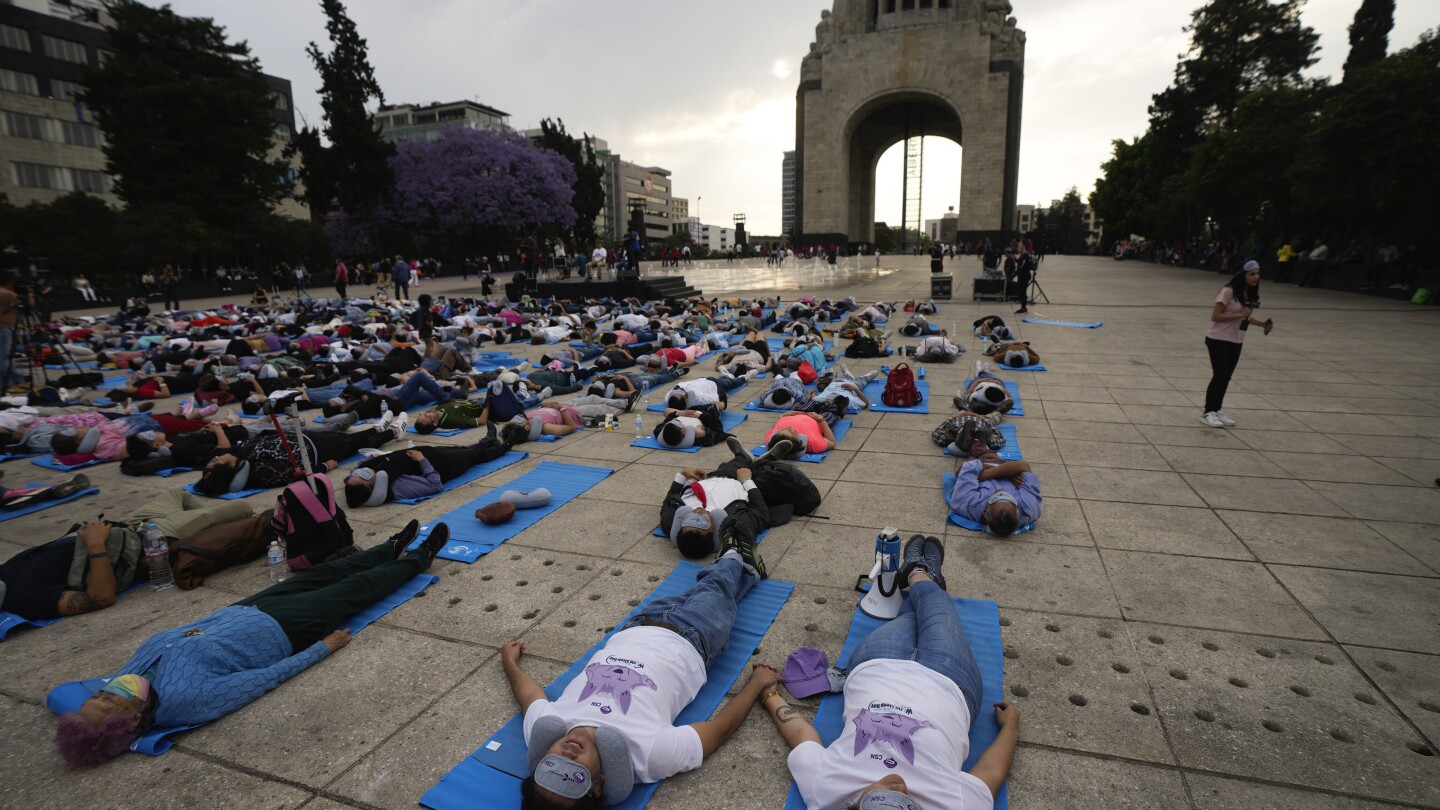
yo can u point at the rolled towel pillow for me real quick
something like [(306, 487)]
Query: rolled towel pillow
[(526, 499)]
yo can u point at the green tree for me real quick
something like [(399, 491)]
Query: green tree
[(589, 192), (1122, 196), (1370, 33), (351, 162), (186, 116)]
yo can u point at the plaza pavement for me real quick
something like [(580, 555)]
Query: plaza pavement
[(1203, 618)]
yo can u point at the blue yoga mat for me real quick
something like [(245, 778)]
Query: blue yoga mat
[(437, 431), (112, 383), (169, 471), (947, 482), (470, 539), (491, 776), (1036, 367), (981, 619), (9, 621), (40, 506), (473, 474), (921, 407), (67, 697), (777, 344), (49, 463), (17, 456), (1011, 450), (841, 428), (1010, 385), (1079, 324)]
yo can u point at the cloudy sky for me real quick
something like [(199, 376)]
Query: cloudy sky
[(706, 89)]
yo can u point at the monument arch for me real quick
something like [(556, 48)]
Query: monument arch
[(882, 70)]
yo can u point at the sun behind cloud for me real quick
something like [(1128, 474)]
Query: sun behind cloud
[(781, 69)]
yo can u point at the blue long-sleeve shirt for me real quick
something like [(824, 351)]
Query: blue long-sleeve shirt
[(969, 495), (403, 487), (209, 668)]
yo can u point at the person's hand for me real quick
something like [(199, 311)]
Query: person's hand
[(511, 651), (337, 639), (693, 473), (94, 535), (416, 455), (1006, 713), (763, 677), (743, 474), (216, 426), (817, 417)]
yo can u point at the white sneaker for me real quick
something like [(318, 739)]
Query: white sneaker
[(545, 393), (1212, 419), (401, 421), (1225, 420), (386, 419)]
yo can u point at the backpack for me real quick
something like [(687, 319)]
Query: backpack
[(900, 390), (219, 547), (863, 346), (311, 526)]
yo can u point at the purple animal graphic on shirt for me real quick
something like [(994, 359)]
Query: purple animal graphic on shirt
[(616, 680), (896, 729)]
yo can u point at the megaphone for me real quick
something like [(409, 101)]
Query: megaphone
[(883, 599)]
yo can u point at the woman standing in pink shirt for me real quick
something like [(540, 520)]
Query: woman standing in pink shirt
[(1230, 318)]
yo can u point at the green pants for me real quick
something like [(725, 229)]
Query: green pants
[(310, 605), (180, 515)]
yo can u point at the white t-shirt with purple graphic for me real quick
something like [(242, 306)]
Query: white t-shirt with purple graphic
[(902, 718), (637, 684)]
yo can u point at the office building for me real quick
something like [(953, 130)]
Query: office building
[(50, 144), (787, 193), (425, 122), (629, 186)]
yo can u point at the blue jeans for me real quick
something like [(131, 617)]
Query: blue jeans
[(409, 391), (728, 384), (704, 614), (655, 379), (928, 631), (8, 375), (325, 392)]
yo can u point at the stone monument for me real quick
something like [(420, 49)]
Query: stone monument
[(881, 69)]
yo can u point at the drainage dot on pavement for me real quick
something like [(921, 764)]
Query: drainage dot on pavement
[(1004, 622), (1156, 640), (515, 556), (1325, 659), (1140, 708), (557, 589), (1210, 645), (569, 622), (582, 567), (633, 602), (615, 572), (1178, 674), (810, 628), (487, 577), (1385, 665), (491, 608), (1105, 634), (594, 597), (652, 578), (548, 562), (1429, 707), (1011, 654), (1019, 691), (1240, 682), (1063, 660), (1419, 748), (1271, 725), (1300, 690), (1364, 698), (1341, 736), (820, 600), (530, 614), (1078, 700), (1054, 628), (522, 583), (1201, 714), (1266, 652), (1120, 668)]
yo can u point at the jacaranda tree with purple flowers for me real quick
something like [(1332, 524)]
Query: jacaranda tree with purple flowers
[(475, 187)]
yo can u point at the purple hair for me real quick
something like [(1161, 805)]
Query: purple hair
[(84, 744)]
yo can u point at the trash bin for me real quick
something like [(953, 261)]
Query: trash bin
[(940, 287)]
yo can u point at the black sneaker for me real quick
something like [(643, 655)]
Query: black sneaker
[(405, 537), (431, 546), (631, 400), (70, 487), (925, 554), (781, 449), (737, 447), (749, 554)]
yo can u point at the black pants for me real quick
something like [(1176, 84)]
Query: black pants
[(339, 446), (1022, 283), (310, 605), (452, 462), (780, 482), (1224, 357), (340, 288)]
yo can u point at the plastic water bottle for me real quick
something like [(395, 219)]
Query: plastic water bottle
[(157, 556), (384, 410), (275, 562), (639, 426)]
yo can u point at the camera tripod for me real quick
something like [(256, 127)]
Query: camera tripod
[(37, 343)]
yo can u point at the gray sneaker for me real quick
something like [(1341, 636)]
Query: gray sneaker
[(925, 554)]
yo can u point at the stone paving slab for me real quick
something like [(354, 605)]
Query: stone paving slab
[(1315, 517)]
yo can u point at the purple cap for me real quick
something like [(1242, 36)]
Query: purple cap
[(805, 672)]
